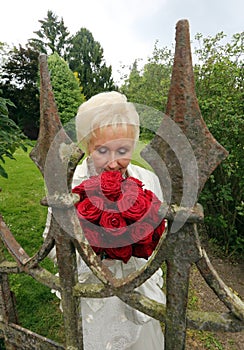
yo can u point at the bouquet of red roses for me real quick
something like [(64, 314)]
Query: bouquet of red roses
[(119, 218)]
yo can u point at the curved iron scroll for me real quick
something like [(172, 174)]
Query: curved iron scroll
[(180, 249)]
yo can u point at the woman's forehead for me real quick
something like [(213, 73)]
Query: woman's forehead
[(112, 132)]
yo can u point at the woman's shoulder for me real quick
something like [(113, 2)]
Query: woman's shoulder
[(138, 171), (81, 173)]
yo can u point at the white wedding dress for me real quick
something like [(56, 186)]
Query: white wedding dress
[(109, 323)]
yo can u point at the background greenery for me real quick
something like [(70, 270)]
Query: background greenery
[(67, 91), (20, 207), (78, 71), (11, 136), (219, 85)]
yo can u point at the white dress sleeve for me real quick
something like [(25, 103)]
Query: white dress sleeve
[(148, 178)]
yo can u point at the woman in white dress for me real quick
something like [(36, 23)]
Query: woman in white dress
[(108, 127)]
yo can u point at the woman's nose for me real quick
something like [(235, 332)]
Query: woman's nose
[(113, 164)]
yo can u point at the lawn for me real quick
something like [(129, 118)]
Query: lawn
[(38, 308)]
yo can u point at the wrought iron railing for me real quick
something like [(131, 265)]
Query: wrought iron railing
[(180, 248)]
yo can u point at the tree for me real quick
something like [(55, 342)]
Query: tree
[(20, 85), (11, 136), (86, 58), (219, 86), (4, 54), (66, 88), (53, 36), (148, 87)]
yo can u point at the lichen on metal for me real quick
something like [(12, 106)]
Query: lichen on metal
[(183, 109), (189, 167)]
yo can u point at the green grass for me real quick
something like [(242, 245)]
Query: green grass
[(37, 307), (20, 201), (137, 159)]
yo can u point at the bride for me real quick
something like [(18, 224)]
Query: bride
[(107, 127)]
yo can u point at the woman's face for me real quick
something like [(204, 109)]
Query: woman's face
[(111, 148)]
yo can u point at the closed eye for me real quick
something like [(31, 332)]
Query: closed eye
[(122, 151), (102, 150)]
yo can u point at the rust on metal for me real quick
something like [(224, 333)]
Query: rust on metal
[(50, 123), (183, 109), (179, 249)]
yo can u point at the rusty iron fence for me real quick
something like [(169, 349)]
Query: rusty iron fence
[(180, 249)]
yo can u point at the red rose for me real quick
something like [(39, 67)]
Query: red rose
[(114, 239), (91, 185), (149, 194), (133, 206), (143, 250), (158, 233), (80, 190), (132, 185), (141, 232), (93, 235), (111, 184), (154, 207), (97, 250), (118, 217), (123, 240), (145, 247), (90, 208), (121, 253), (113, 222), (160, 229), (135, 180)]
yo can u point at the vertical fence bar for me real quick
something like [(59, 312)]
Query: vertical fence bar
[(183, 250), (66, 258)]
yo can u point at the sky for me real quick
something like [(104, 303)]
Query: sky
[(126, 29)]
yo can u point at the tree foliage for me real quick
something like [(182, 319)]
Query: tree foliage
[(150, 84), (11, 136), (19, 83), (81, 51), (4, 54), (219, 88), (67, 92), (53, 36), (19, 70), (148, 87), (86, 58)]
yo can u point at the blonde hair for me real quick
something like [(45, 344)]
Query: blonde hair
[(105, 109)]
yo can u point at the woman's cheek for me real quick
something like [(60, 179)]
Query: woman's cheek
[(99, 162), (124, 162)]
